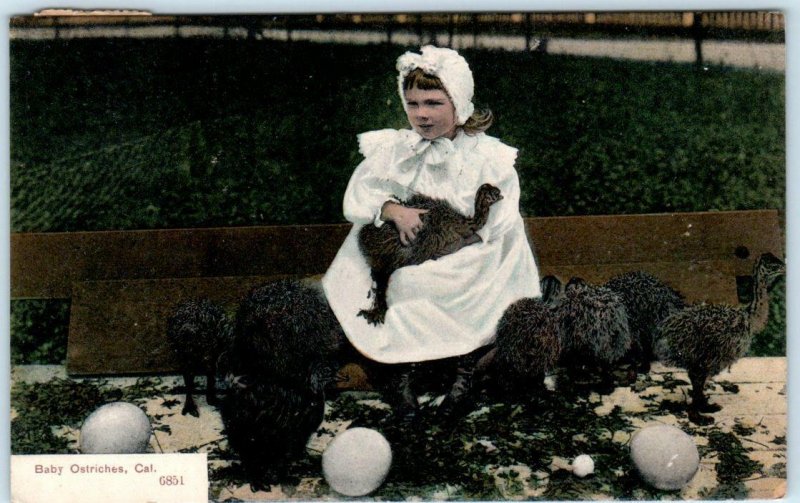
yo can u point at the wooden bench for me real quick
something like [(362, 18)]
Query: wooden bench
[(123, 284)]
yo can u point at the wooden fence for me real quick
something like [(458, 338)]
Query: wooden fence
[(746, 21)]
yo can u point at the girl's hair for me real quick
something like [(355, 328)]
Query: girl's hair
[(478, 122)]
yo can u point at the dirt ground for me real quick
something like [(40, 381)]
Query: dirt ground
[(742, 454)]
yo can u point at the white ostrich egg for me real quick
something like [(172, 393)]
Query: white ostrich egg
[(357, 461), (665, 456), (582, 465), (115, 428)]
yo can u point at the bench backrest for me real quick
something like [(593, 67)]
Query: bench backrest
[(123, 284)]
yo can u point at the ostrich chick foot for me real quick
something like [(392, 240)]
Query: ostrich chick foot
[(374, 316), (697, 418), (708, 407), (190, 408)]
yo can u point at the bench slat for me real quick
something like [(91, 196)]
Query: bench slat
[(46, 265), (119, 327), (679, 237), (702, 281)]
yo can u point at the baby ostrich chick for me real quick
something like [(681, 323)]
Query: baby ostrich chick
[(647, 302), (704, 339), (444, 231), (283, 358), (268, 426), (286, 332), (527, 343), (595, 329), (198, 332)]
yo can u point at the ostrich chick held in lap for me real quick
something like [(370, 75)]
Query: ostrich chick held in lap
[(444, 231)]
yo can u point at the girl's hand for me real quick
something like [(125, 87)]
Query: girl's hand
[(406, 220)]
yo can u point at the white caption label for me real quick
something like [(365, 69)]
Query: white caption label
[(122, 478)]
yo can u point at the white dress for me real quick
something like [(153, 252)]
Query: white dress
[(440, 308)]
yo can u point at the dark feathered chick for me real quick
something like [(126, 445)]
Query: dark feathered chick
[(283, 357), (527, 344), (444, 230), (594, 328), (286, 332), (594, 323), (704, 339), (647, 301), (268, 426), (198, 331)]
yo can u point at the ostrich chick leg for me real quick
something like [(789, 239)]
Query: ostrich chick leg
[(641, 356), (377, 313), (699, 400), (189, 407), (211, 387)]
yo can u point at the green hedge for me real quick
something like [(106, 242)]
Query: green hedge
[(135, 134)]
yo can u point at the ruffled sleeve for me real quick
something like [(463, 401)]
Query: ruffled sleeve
[(499, 171), (368, 188), (505, 155), (371, 142)]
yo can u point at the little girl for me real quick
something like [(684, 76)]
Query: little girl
[(447, 307)]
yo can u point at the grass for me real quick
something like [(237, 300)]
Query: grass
[(143, 134), (244, 118)]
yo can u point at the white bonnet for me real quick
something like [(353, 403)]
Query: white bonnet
[(450, 67)]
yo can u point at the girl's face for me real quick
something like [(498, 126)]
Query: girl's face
[(431, 113)]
